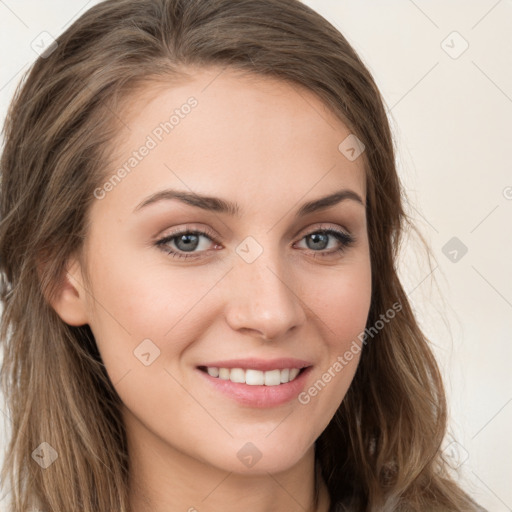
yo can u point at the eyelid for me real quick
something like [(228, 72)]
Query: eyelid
[(210, 233), (186, 229), (320, 227)]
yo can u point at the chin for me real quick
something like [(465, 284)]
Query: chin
[(259, 457)]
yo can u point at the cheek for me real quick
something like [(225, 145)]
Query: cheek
[(144, 298), (342, 302), (341, 305), (143, 293), (341, 308)]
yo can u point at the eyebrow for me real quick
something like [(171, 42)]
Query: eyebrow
[(216, 204)]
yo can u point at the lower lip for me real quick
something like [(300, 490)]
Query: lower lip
[(259, 396)]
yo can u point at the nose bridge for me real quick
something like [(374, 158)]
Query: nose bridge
[(261, 292)]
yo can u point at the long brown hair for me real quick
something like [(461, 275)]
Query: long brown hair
[(381, 451)]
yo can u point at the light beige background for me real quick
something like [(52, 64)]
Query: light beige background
[(451, 111)]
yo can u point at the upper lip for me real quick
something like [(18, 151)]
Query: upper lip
[(260, 364)]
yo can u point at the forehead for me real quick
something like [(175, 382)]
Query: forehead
[(220, 130)]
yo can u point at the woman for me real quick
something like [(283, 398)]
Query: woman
[(174, 338)]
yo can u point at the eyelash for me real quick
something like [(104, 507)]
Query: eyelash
[(343, 237)]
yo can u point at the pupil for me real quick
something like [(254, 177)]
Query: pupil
[(188, 243), (319, 238)]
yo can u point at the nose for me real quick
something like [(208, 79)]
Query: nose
[(262, 300)]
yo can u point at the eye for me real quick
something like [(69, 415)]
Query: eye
[(186, 242), (320, 240)]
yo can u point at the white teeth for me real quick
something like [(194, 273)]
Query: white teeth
[(293, 373), (254, 377), (237, 375), (224, 373), (214, 372), (273, 378)]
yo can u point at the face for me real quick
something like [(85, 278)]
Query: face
[(181, 284)]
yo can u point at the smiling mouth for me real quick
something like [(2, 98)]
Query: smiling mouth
[(253, 377)]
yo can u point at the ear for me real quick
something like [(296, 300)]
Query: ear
[(69, 299)]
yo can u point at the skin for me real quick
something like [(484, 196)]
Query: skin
[(270, 147)]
